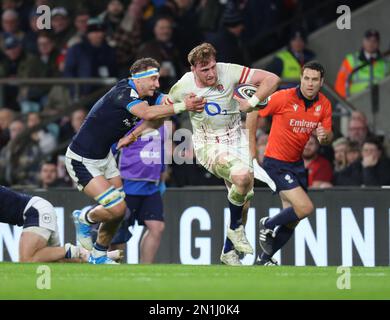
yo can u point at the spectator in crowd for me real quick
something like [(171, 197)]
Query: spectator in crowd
[(288, 62), (10, 27), (22, 7), (70, 128), (340, 146), (257, 35), (48, 176), (46, 141), (19, 160), (353, 152), (320, 172), (373, 169), (81, 26), (10, 66), (375, 67), (31, 36), (163, 49), (42, 65), (112, 18), (228, 39), (92, 58), (6, 117), (185, 16), (357, 130), (61, 26)]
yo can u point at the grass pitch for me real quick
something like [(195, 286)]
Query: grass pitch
[(182, 282)]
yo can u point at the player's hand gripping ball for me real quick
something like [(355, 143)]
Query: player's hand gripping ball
[(246, 91)]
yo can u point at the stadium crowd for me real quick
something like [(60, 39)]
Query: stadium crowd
[(100, 39)]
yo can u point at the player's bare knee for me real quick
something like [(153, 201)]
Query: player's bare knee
[(304, 210), (118, 211)]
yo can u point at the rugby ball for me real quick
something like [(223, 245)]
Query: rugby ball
[(245, 91)]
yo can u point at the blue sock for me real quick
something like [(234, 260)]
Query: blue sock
[(235, 215), (68, 253), (283, 234), (228, 246), (99, 247), (284, 217)]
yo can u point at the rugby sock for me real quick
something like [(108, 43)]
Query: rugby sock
[(283, 234), (84, 215), (235, 215), (228, 246), (99, 250), (285, 216)]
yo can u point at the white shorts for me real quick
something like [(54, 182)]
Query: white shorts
[(40, 217), (82, 170), (237, 154)]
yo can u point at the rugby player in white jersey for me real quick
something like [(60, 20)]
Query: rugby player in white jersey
[(219, 143)]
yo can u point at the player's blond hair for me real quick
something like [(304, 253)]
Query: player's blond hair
[(201, 54)]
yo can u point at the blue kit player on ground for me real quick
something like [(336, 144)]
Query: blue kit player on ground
[(89, 160), (40, 240)]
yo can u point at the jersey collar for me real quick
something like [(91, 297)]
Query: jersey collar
[(308, 103), (132, 84)]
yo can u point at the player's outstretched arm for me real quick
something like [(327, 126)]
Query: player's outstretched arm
[(143, 128), (191, 103)]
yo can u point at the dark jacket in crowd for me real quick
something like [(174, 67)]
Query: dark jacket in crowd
[(85, 61), (356, 175)]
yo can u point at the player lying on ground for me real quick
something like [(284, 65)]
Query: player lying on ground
[(39, 241)]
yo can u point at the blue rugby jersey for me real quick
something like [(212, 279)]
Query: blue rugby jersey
[(109, 120), (12, 205)]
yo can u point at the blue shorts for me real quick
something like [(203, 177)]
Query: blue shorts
[(286, 175), (141, 208)]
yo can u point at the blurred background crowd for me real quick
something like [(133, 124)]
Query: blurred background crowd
[(101, 39)]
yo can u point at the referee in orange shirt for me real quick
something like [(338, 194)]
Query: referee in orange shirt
[(297, 114)]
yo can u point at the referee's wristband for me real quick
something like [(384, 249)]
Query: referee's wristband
[(253, 101), (179, 107)]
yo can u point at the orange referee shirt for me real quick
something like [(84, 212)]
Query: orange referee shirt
[(293, 121)]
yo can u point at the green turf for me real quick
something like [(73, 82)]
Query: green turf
[(83, 281)]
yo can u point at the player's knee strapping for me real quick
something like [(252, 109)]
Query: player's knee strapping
[(230, 165), (249, 196), (110, 198), (236, 198), (122, 192)]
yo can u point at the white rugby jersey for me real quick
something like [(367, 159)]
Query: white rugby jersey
[(220, 121)]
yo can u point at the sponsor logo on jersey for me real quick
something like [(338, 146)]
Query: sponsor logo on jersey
[(295, 106)]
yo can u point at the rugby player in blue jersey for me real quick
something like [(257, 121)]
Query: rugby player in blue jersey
[(40, 240), (89, 159)]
